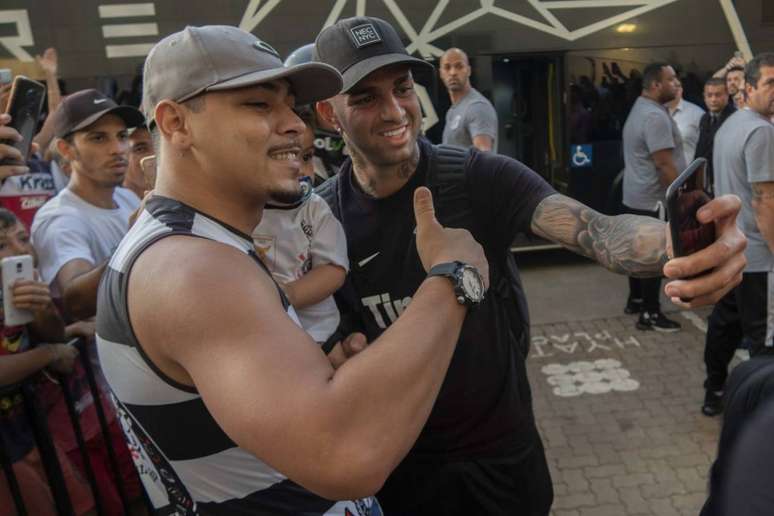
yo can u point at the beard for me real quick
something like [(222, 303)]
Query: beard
[(286, 196)]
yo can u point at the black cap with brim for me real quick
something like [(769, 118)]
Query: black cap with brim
[(359, 46), (82, 108), (131, 117), (310, 81), (422, 70)]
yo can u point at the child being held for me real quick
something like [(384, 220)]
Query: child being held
[(303, 245)]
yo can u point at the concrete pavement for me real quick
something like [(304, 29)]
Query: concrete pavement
[(618, 408)]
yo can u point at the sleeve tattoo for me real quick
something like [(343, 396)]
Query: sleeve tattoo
[(626, 244)]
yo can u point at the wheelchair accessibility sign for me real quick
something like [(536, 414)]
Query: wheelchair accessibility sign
[(581, 156)]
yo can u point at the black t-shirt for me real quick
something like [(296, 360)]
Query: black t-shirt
[(750, 386), (484, 406), (747, 490)]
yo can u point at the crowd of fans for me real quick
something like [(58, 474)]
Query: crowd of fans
[(72, 202)]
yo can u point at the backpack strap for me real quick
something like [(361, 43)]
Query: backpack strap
[(447, 180)]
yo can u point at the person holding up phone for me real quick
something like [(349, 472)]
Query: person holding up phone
[(22, 353), (744, 165)]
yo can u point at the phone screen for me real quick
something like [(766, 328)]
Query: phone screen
[(684, 198), (24, 107)]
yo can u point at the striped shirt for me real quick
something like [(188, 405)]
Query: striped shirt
[(187, 463)]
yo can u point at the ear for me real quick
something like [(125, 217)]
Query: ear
[(327, 114), (65, 149), (171, 122)]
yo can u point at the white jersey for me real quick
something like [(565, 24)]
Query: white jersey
[(292, 241)]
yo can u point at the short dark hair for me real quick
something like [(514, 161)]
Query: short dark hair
[(652, 74), (735, 68), (715, 81), (7, 219), (752, 72)]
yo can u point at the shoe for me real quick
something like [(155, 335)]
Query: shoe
[(657, 321), (713, 403), (633, 306)]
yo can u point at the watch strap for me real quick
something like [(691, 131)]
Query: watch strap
[(447, 269)]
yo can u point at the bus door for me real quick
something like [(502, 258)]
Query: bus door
[(527, 96)]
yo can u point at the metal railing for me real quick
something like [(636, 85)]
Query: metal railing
[(37, 417)]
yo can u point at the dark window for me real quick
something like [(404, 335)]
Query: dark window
[(768, 12)]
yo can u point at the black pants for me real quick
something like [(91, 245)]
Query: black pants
[(491, 487), (647, 289), (743, 312)]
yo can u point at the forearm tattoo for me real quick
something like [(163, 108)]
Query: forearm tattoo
[(626, 244)]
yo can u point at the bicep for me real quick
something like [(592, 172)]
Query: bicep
[(763, 200), (483, 142), (259, 374), (663, 158), (481, 120)]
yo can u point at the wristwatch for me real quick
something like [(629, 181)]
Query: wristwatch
[(467, 281)]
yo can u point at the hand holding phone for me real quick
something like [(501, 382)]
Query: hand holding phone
[(685, 196), (15, 268), (24, 106)]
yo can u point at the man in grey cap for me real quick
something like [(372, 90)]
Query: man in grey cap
[(230, 407), (480, 452)]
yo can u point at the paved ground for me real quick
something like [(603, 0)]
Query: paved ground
[(618, 408)]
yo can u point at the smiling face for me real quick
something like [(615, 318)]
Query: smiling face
[(99, 154), (380, 116), (248, 141)]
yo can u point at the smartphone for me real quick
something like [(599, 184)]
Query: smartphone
[(6, 76), (684, 197), (15, 268), (24, 106)]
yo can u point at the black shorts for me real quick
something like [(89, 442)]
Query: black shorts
[(489, 487)]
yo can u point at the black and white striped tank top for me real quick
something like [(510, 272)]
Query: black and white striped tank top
[(187, 464)]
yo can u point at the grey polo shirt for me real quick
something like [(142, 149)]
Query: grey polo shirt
[(744, 154), (648, 129), (472, 116)]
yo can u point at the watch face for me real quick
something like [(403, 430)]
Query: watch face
[(472, 284)]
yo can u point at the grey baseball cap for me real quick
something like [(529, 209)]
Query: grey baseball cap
[(359, 46), (221, 57)]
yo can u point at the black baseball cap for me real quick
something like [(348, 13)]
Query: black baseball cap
[(83, 108), (359, 46)]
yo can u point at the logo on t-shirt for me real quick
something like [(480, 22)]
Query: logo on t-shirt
[(455, 123), (364, 35)]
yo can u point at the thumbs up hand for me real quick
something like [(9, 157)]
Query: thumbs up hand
[(437, 244)]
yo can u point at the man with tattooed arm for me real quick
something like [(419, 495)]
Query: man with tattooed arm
[(479, 452)]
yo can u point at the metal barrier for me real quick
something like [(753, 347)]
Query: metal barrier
[(37, 417)]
